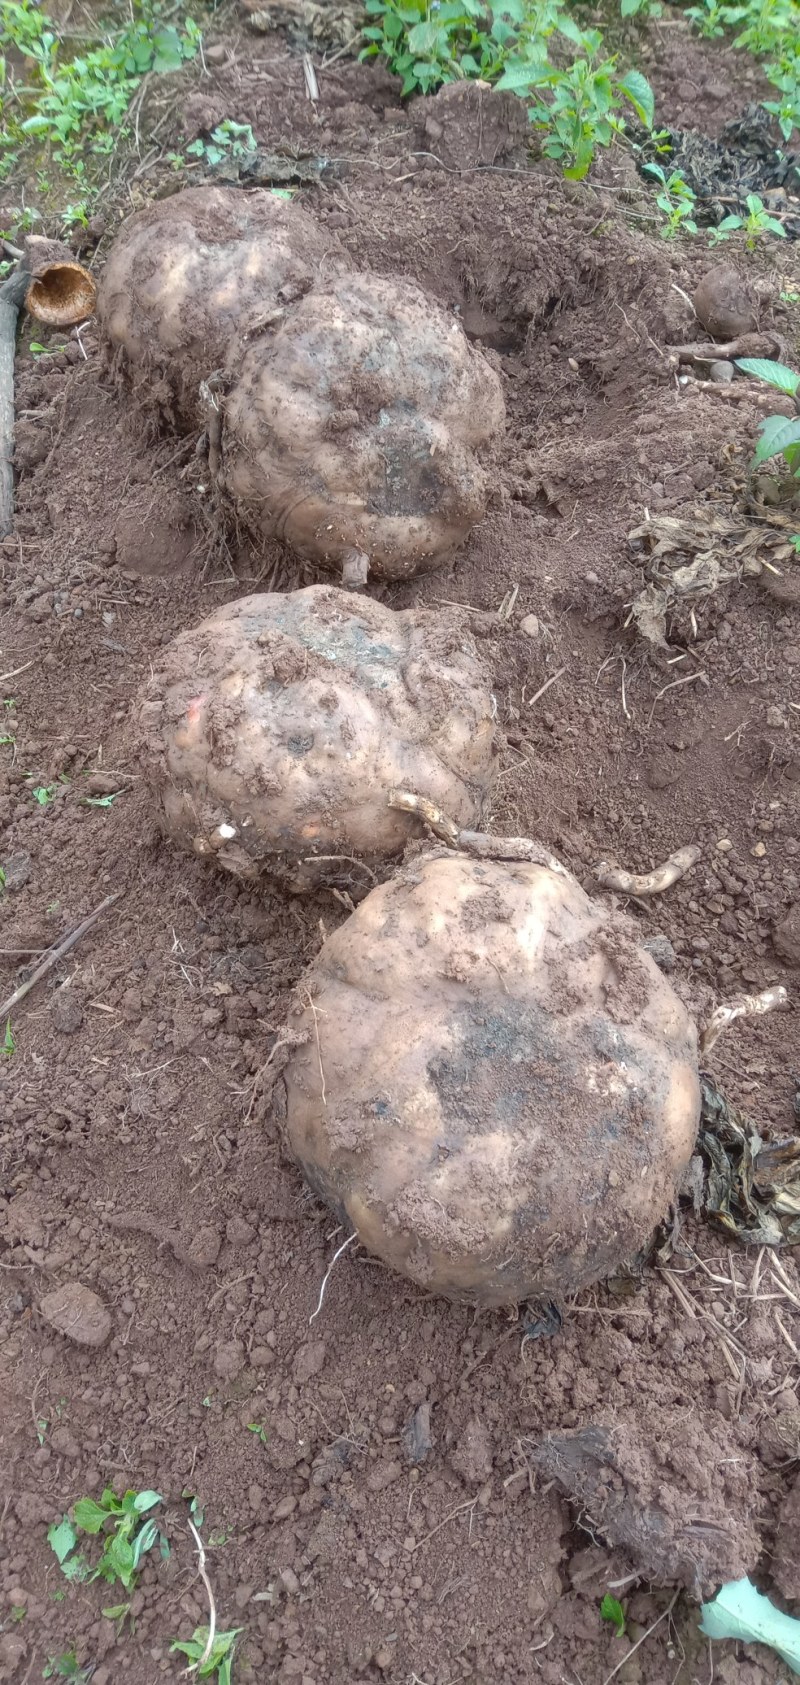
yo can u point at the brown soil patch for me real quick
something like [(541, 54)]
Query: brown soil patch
[(391, 1522)]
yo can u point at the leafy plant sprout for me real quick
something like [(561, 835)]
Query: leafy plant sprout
[(127, 1530), (575, 108), (779, 434), (227, 140), (677, 201), (754, 225)]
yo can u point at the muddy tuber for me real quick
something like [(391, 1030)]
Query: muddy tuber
[(357, 428), (495, 1087), (273, 731), (190, 275)]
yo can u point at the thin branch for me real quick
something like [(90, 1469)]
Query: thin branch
[(55, 954), (212, 1607)]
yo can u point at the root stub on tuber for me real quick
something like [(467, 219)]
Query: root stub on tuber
[(498, 1091), (272, 731)]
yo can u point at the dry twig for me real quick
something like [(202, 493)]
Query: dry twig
[(53, 955), (212, 1607)]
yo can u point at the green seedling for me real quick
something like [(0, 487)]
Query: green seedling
[(575, 106), (18, 1612), (38, 350), (218, 1662), (101, 801), (611, 1610), (754, 225), (227, 140), (65, 1667), (42, 1426), (709, 18), (779, 434), (677, 201), (126, 1537), (44, 793), (259, 1430), (8, 1044), (2, 880)]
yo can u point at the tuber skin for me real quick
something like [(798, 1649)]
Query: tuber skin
[(273, 730), (358, 428), (495, 1088), (190, 275)]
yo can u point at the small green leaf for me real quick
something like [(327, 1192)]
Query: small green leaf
[(146, 1500), (611, 1610), (101, 801), (775, 374), (89, 1516), (62, 1538), (76, 1568), (637, 89), (8, 1046), (115, 1611)]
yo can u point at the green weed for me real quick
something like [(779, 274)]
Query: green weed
[(8, 1045), (219, 1660), (676, 200), (259, 1430), (754, 225), (71, 103), (101, 801), (575, 107), (779, 434), (65, 1667), (611, 1610), (126, 1537), (227, 140)]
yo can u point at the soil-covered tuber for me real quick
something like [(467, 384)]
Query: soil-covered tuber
[(357, 428), (190, 274), (275, 729), (497, 1090)]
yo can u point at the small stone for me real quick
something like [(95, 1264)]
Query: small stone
[(417, 1438), (721, 372), (759, 851), (724, 304), (16, 871), (724, 845), (78, 1313), (216, 54), (776, 717), (531, 626), (310, 1360), (385, 1474), (242, 1596), (472, 1457), (255, 1498), (661, 950), (786, 936), (287, 1578), (285, 1508), (261, 1357), (66, 1011), (229, 1360), (237, 1231)]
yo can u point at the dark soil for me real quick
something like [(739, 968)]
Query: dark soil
[(398, 1517)]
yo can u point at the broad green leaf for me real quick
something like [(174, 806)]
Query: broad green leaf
[(89, 1516), (775, 374), (776, 433), (739, 1611), (146, 1500), (637, 89), (522, 73), (62, 1538), (423, 37)]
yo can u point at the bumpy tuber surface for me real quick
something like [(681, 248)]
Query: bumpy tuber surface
[(357, 428), (498, 1090), (275, 729), (190, 274)]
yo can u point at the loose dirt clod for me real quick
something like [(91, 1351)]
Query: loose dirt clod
[(78, 1313), (272, 731), (511, 1086)]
